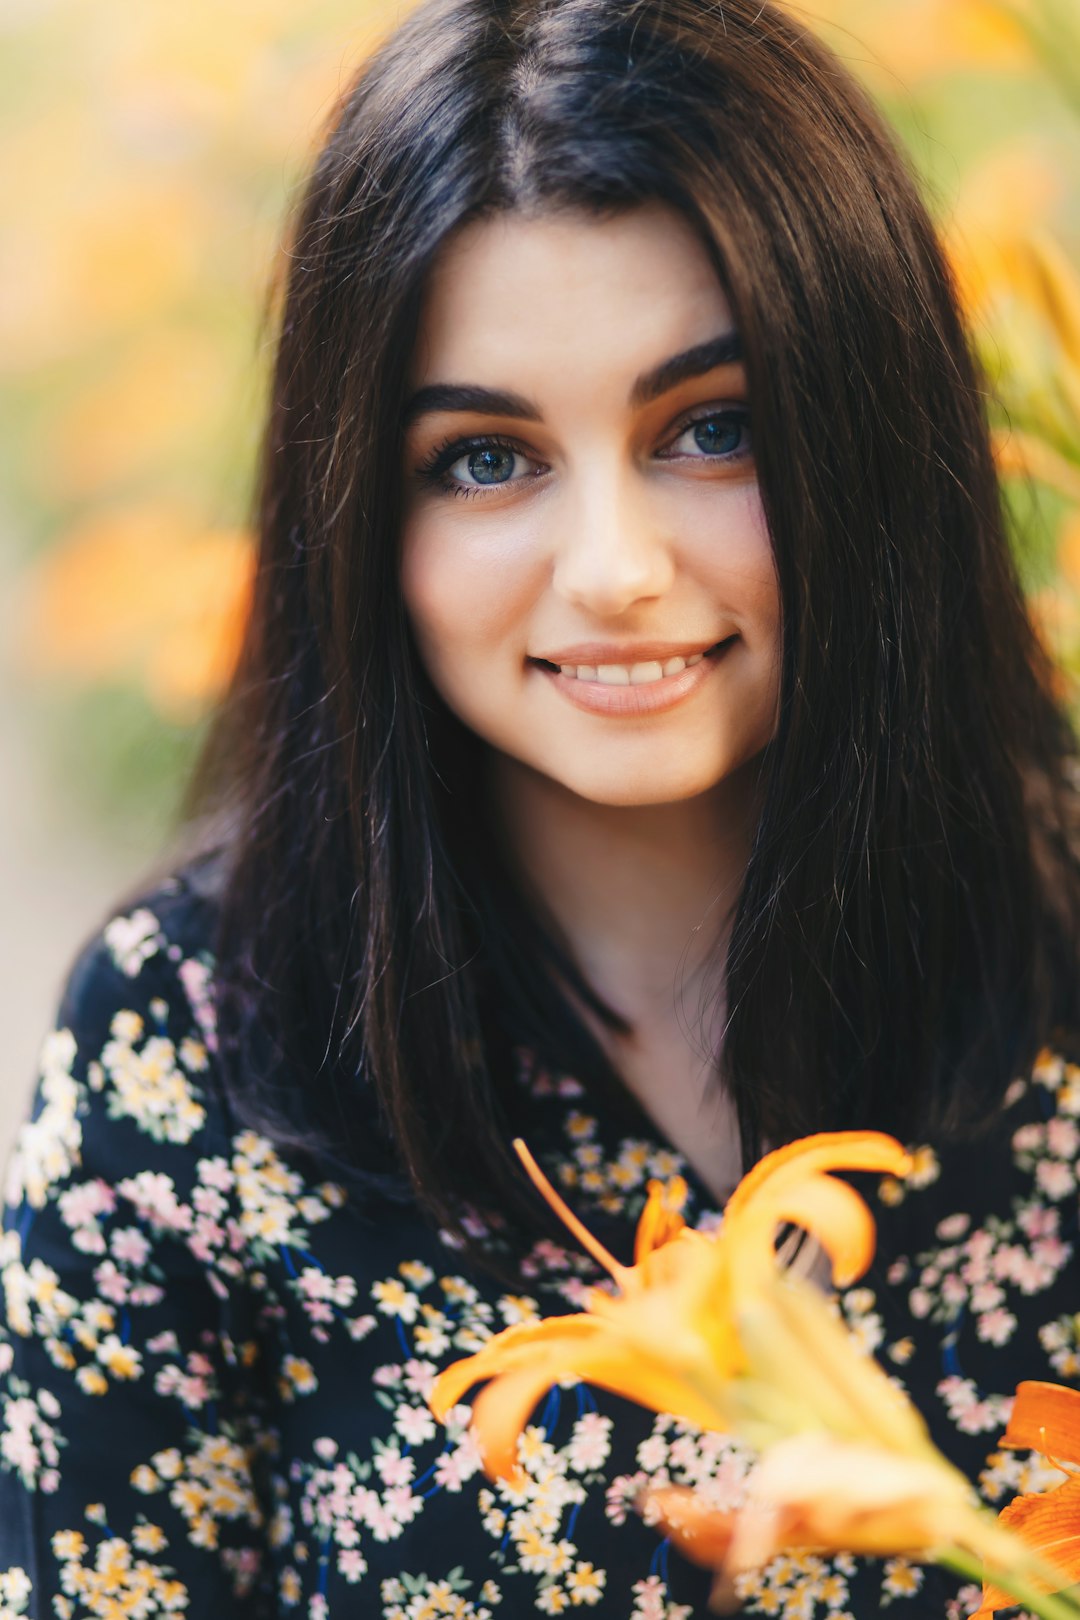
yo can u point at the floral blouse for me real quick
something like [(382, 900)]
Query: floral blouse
[(213, 1370)]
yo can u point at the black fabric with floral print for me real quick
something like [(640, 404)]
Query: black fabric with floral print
[(213, 1367)]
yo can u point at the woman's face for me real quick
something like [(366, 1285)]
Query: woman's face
[(581, 492)]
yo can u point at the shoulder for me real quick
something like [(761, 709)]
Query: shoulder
[(127, 1071)]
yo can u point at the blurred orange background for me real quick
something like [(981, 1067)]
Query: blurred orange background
[(149, 156)]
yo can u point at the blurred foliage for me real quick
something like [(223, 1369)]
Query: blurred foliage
[(150, 154)]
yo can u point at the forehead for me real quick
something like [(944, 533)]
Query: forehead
[(512, 293)]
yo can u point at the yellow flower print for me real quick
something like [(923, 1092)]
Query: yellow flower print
[(118, 1584), (457, 1290), (121, 1360), (169, 1464), (394, 1299), (149, 1538), (68, 1545), (586, 1584), (15, 1588), (518, 1308), (297, 1378), (901, 1578), (47, 1148)]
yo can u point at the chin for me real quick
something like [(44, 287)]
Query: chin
[(642, 787)]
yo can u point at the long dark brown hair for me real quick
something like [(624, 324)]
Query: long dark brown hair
[(907, 931)]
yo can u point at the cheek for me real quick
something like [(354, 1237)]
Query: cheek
[(734, 554), (462, 594)]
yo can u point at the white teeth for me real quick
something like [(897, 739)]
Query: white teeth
[(642, 674)]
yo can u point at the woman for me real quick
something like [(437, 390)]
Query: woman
[(601, 765)]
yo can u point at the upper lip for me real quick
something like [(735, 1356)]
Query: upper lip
[(592, 653)]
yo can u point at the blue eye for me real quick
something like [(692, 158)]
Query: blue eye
[(720, 435), (468, 468), (493, 465)]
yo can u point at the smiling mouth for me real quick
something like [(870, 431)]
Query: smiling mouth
[(709, 652)]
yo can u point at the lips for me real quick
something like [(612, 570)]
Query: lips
[(544, 663)]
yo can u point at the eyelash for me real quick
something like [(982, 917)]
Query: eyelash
[(433, 471)]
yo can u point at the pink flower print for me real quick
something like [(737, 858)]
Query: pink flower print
[(590, 1442), (454, 1467), (920, 1302), (420, 1377), (154, 1198), (415, 1424), (208, 1201), (351, 1564), (85, 1203), (652, 1453), (146, 1294), (550, 1256), (315, 1284), (650, 1599), (403, 1504), (196, 980), (1038, 1220), (207, 1238), (622, 1491), (394, 1469), (682, 1453), (1062, 1137), (1055, 1178), (130, 1247), (1051, 1252), (996, 1327), (574, 1290), (986, 1296), (953, 1227), (1031, 1276), (111, 1283), (216, 1173), (954, 1290), (1028, 1138)]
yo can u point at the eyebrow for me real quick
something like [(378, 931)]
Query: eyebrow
[(695, 362)]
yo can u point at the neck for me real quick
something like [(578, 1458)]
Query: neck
[(643, 895)]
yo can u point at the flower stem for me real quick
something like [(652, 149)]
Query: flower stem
[(1048, 1605)]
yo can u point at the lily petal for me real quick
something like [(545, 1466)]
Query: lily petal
[(1045, 1417), (830, 1211), (661, 1219), (796, 1346), (498, 1356), (504, 1406), (1050, 1524), (812, 1155)]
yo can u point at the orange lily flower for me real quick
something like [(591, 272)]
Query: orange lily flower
[(1045, 1418), (813, 1492), (671, 1337)]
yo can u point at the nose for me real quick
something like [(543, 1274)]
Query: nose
[(612, 551)]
